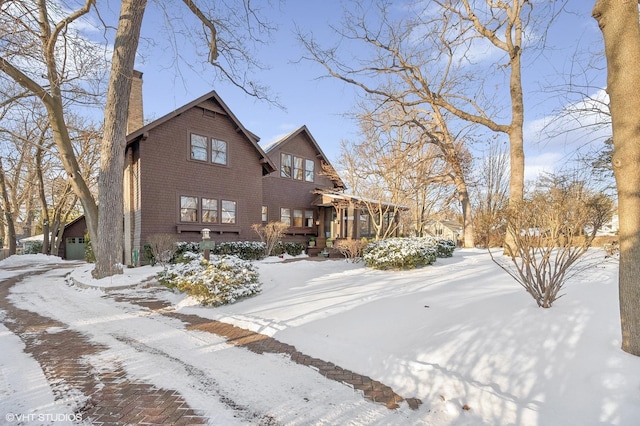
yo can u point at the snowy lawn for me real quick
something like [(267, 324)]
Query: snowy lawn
[(457, 333)]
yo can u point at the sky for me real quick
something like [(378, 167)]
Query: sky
[(321, 103), (431, 333)]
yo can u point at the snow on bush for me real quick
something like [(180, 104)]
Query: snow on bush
[(292, 249), (247, 250), (406, 253), (219, 281)]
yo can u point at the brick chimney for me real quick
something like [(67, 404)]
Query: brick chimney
[(136, 117)]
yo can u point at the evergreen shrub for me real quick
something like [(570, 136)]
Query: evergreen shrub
[(406, 253), (219, 281)]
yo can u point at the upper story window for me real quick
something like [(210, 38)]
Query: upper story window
[(218, 151), (296, 167), (198, 147), (285, 165), (208, 149), (309, 170)]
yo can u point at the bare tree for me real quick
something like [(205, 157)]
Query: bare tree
[(553, 227), (438, 72), (47, 56), (492, 196), (404, 155), (270, 234), (619, 22)]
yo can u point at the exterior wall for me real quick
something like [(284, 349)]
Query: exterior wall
[(282, 192), (166, 172)]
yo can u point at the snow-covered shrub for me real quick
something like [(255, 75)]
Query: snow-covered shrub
[(400, 253), (292, 249), (445, 247), (33, 247), (219, 281), (247, 250), (184, 250)]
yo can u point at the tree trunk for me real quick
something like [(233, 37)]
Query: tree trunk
[(467, 219), (516, 141), (618, 21), (108, 243), (43, 202), (11, 230)]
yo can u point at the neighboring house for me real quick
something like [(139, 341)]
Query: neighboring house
[(72, 243), (445, 229)]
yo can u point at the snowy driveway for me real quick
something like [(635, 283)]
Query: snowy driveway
[(76, 355)]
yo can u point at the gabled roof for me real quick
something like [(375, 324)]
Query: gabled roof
[(279, 143), (450, 224), (212, 95)]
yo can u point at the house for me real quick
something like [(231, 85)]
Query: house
[(194, 168), (445, 229), (199, 168)]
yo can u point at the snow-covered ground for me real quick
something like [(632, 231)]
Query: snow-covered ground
[(459, 332)]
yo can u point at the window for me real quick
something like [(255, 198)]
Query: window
[(298, 171), (285, 165), (309, 166), (228, 211), (198, 147), (209, 210), (265, 217), (188, 209), (308, 218), (285, 216), (218, 151), (298, 168), (297, 218), (202, 150), (364, 225)]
